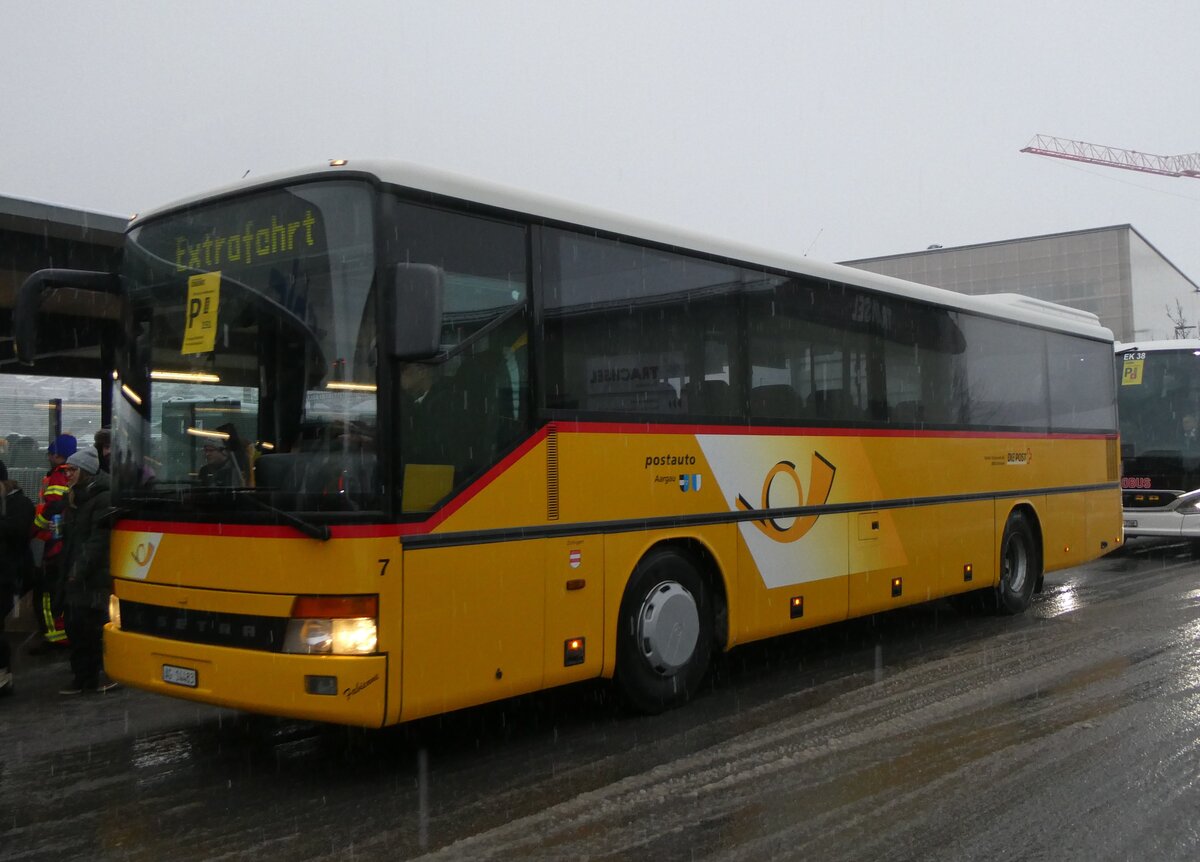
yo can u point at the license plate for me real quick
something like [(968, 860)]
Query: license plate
[(1131, 523), (179, 675)]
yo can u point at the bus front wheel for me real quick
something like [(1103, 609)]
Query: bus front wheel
[(665, 634), (1020, 565)]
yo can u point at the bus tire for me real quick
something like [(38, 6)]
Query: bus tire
[(665, 632), (1020, 566)]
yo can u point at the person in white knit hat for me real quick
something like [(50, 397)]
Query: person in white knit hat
[(87, 582)]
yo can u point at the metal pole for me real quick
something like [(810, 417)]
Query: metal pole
[(55, 412)]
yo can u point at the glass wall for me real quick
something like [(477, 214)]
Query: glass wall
[(27, 407)]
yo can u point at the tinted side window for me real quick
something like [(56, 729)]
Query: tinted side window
[(1082, 392), (807, 362), (828, 352), (458, 412), (1001, 378), (922, 344), (635, 330)]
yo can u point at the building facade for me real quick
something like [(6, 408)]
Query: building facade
[(65, 390), (1113, 272)]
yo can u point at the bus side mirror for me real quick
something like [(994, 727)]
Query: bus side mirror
[(416, 311), (37, 288)]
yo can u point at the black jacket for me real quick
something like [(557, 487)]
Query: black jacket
[(16, 521), (87, 578)]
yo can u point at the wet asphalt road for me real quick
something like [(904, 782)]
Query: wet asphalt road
[(1071, 732)]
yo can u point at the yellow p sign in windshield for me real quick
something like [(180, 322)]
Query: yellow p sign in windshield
[(200, 316), (1131, 373)]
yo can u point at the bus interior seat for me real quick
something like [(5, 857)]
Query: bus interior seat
[(317, 472), (290, 472), (832, 404), (660, 397), (906, 412), (276, 471), (708, 398), (775, 401)]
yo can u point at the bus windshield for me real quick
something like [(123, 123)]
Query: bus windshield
[(251, 356), (1159, 408)]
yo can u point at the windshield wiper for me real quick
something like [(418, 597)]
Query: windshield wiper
[(314, 531), (246, 492)]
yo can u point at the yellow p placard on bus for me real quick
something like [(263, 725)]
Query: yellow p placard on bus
[(1131, 372), (200, 322)]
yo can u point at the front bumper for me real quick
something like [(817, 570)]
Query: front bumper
[(256, 681)]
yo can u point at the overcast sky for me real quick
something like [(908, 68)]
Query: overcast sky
[(838, 129)]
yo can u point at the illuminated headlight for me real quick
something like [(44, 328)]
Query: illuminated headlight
[(114, 610), (356, 636), (333, 625)]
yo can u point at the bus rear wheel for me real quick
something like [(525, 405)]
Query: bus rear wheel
[(1020, 565), (665, 632)]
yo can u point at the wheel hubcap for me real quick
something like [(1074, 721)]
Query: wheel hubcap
[(668, 627), (1016, 565)]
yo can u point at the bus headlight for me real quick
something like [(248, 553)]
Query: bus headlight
[(333, 625), (355, 636), (114, 610)]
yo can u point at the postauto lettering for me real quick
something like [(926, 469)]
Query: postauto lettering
[(669, 461), (246, 245)]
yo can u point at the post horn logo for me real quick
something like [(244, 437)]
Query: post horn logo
[(820, 483), (142, 553)]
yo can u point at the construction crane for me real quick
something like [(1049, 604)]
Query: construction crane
[(1187, 165)]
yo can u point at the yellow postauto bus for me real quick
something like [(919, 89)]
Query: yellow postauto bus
[(390, 442)]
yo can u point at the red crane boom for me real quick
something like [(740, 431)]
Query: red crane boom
[(1187, 165)]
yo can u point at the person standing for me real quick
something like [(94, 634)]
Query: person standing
[(87, 579), (102, 441), (16, 562), (47, 535)]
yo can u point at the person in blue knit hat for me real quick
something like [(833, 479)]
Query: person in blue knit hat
[(63, 446)]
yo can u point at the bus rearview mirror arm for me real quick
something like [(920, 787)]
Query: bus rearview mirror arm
[(40, 285), (415, 306)]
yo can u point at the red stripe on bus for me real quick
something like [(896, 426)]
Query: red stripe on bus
[(811, 431), (375, 531)]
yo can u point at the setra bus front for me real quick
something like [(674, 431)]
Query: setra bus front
[(254, 551)]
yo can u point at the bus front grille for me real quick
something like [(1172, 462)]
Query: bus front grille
[(243, 631)]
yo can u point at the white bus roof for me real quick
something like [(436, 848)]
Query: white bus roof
[(1007, 305), (1169, 344)]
